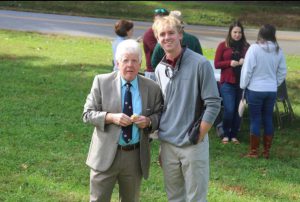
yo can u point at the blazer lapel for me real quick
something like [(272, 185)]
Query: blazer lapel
[(118, 97), (144, 95)]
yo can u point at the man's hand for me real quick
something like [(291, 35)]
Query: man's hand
[(204, 128), (119, 119), (141, 121)]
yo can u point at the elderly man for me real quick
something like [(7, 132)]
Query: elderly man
[(190, 92), (124, 108)]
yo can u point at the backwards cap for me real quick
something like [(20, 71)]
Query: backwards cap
[(161, 12)]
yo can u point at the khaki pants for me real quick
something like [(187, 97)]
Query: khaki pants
[(186, 171), (126, 171)]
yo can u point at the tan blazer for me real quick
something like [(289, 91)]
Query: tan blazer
[(105, 96)]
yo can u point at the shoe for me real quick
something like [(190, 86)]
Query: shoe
[(225, 140), (267, 145), (235, 141), (254, 147)]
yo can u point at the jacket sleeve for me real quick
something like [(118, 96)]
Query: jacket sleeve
[(281, 70), (220, 63), (248, 68), (209, 93), (158, 54), (92, 112), (198, 47)]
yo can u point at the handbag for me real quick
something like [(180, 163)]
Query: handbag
[(242, 105)]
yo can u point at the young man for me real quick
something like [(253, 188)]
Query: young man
[(149, 42), (191, 41), (124, 108), (190, 89)]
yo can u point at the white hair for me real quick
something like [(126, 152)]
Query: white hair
[(128, 46)]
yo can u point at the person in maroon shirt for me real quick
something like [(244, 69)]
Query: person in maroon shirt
[(149, 42), (229, 58)]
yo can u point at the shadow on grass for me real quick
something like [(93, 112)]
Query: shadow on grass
[(18, 59)]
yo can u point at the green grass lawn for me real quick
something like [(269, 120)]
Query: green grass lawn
[(44, 81), (283, 14)]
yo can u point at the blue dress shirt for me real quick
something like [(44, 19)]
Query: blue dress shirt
[(136, 106)]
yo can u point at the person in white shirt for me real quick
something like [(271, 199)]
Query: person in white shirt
[(123, 30), (263, 71)]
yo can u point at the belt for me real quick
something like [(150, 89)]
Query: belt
[(129, 147)]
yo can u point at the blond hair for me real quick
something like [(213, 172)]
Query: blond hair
[(171, 21)]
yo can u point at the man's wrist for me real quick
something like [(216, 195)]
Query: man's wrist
[(108, 118)]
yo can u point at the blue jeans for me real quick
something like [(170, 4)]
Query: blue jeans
[(261, 105), (231, 94)]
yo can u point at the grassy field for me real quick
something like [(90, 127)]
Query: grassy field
[(283, 14), (44, 81)]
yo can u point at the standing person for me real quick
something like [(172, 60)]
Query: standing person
[(120, 150), (123, 30), (189, 40), (263, 71), (188, 84), (229, 58), (149, 42)]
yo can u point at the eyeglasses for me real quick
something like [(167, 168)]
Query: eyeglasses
[(170, 72), (161, 11)]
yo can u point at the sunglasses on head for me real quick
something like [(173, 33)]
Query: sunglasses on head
[(170, 72), (161, 11)]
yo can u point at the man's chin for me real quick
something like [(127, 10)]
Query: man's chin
[(169, 49), (130, 76)]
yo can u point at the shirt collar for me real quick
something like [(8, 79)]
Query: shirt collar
[(121, 38), (134, 82), (172, 62)]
